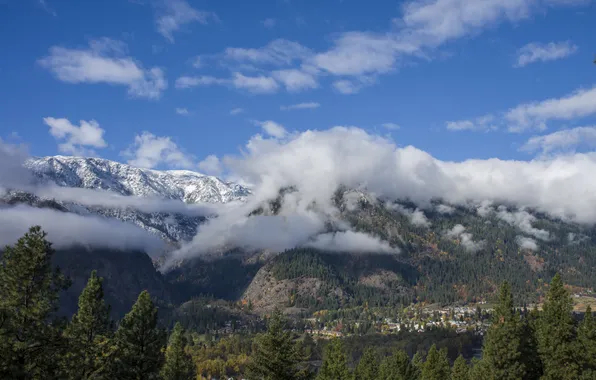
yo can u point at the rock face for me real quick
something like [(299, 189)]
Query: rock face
[(266, 293)]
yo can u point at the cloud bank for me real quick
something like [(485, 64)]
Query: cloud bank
[(316, 163), (67, 229)]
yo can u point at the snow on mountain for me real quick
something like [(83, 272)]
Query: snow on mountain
[(100, 174), (97, 173)]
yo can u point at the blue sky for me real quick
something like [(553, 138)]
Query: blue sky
[(155, 81)]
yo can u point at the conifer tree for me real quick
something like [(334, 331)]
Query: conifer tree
[(436, 366), (276, 357), (502, 344), (529, 346), (417, 363), (460, 370), (397, 367), (178, 365), (335, 362), (586, 338), (88, 334), (139, 342), (479, 370), (556, 335), (368, 366), (30, 346)]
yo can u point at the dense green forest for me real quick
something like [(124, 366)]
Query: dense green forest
[(35, 343)]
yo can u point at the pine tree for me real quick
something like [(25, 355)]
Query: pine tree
[(29, 293), (138, 343), (335, 362), (556, 335), (178, 365), (417, 363), (586, 338), (88, 333), (368, 366), (275, 356), (436, 366), (479, 370), (397, 367), (502, 344), (460, 370), (529, 346)]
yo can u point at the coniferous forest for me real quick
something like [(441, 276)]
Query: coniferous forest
[(35, 343)]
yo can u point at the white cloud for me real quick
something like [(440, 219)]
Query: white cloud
[(272, 128), (182, 111), (445, 209), (68, 229), (535, 115), (465, 238), (346, 87), (211, 165), (236, 111), (295, 80), (76, 140), (357, 58), (149, 151), (391, 126), (484, 123), (255, 84), (47, 8), (317, 162), (416, 216), (105, 61), (12, 171), (188, 82), (527, 243), (173, 14), (278, 53), (566, 140), (578, 104), (350, 241), (300, 106), (269, 23), (258, 85), (523, 220), (534, 52)]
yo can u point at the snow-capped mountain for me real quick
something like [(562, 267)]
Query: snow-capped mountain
[(100, 174), (97, 173)]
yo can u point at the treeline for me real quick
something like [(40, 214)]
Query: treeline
[(34, 344)]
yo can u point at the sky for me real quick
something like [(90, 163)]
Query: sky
[(181, 83)]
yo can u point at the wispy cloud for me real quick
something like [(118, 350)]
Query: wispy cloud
[(260, 84), (105, 61), (182, 111), (391, 126), (47, 8), (272, 128), (300, 106), (356, 59), (269, 23), (566, 141), (236, 111), (149, 151), (534, 52), (483, 123), (76, 139), (534, 115), (173, 14), (296, 80)]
